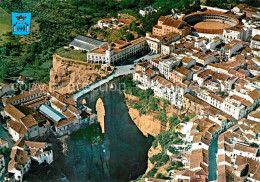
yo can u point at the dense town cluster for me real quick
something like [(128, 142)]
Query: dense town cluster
[(208, 64), (33, 115), (215, 74)]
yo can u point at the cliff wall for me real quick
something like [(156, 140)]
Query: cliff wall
[(68, 75), (147, 123)]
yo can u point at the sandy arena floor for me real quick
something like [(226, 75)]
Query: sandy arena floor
[(211, 25)]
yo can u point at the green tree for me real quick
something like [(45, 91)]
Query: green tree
[(129, 36)]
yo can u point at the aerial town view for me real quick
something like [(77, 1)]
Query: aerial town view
[(130, 90)]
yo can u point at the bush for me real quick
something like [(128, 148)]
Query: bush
[(97, 67), (162, 116), (174, 120), (172, 150), (174, 165), (160, 176), (186, 119), (155, 144), (152, 172), (159, 159), (254, 145), (166, 138), (5, 151)]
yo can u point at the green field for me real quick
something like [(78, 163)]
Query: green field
[(5, 25), (5, 22)]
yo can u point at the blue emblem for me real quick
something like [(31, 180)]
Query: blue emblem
[(21, 23)]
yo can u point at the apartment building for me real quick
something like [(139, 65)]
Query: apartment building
[(117, 52)]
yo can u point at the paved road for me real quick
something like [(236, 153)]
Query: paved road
[(119, 71)]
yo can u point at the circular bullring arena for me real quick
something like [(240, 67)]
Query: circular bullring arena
[(210, 22)]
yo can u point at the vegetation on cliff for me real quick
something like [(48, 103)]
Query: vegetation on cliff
[(160, 161), (147, 102)]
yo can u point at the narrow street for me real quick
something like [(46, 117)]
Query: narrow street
[(213, 164)]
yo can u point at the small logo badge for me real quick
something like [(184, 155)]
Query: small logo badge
[(21, 23)]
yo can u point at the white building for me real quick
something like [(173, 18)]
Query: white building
[(3, 144), (254, 116), (230, 34), (104, 23), (23, 152), (117, 52), (162, 44), (166, 66), (255, 42), (239, 8), (144, 78), (167, 90), (204, 58), (167, 49), (232, 47), (147, 10)]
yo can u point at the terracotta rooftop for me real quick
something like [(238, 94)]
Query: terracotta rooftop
[(241, 6), (170, 21), (29, 121), (244, 148), (66, 121), (25, 94), (162, 81), (40, 145), (2, 142), (118, 46), (182, 70), (18, 127), (256, 37), (255, 94), (14, 112), (255, 114), (232, 43), (186, 59)]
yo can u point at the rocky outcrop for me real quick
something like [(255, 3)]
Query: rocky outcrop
[(101, 113), (69, 76), (147, 123)]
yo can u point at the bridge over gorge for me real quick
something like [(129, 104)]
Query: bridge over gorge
[(119, 71)]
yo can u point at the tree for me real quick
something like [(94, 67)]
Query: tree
[(152, 172), (160, 176), (186, 119), (129, 36), (254, 145)]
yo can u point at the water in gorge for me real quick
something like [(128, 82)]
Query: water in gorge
[(122, 156), (127, 146)]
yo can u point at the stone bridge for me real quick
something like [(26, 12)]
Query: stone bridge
[(80, 95)]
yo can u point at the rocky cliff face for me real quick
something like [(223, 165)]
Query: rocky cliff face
[(101, 113), (147, 123), (68, 76)]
